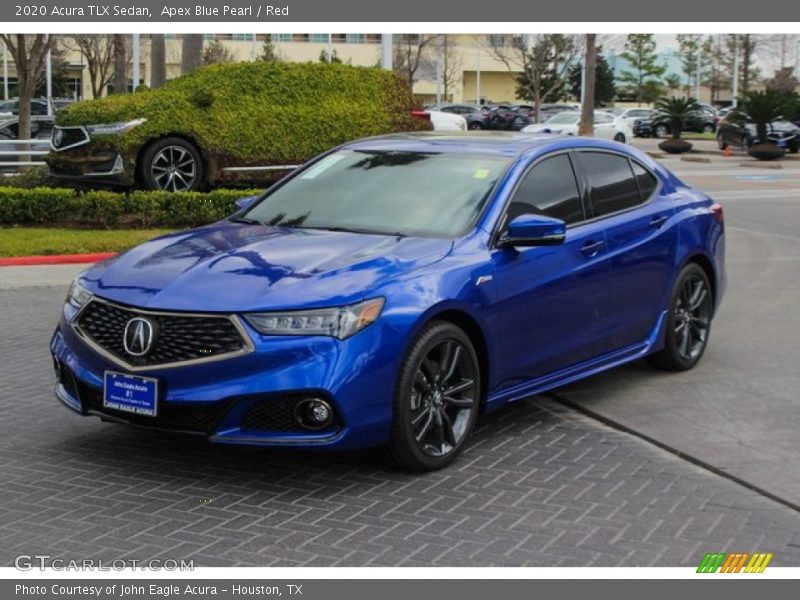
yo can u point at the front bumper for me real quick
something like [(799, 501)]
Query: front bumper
[(250, 399)]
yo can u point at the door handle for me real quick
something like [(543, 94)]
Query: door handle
[(658, 220), (591, 248)]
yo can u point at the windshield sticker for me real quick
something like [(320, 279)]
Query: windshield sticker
[(481, 173)]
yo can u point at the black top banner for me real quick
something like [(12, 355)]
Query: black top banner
[(212, 11)]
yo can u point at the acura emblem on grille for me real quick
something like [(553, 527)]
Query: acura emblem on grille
[(138, 337)]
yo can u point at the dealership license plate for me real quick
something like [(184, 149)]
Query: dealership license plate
[(130, 393), (781, 143)]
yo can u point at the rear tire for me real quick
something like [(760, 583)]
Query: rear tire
[(474, 126), (688, 321), (620, 137), (436, 399), (661, 131), (171, 164), (708, 128)]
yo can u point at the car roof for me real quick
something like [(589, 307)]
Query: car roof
[(499, 143)]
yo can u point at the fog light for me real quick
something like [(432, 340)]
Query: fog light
[(57, 367), (314, 413)]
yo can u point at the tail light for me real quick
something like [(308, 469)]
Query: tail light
[(719, 214), (421, 114)]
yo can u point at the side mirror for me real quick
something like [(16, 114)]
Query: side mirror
[(246, 202), (534, 230)]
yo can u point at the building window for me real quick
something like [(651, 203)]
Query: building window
[(319, 38), (244, 37), (356, 38), (281, 37), (374, 38), (497, 41), (208, 36)]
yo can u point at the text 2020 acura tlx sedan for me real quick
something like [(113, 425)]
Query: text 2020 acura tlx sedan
[(393, 289)]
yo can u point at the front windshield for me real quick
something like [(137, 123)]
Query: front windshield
[(563, 119), (386, 192), (618, 111)]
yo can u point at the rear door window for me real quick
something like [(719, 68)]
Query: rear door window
[(611, 182)]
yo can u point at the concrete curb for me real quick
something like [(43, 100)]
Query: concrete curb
[(55, 259)]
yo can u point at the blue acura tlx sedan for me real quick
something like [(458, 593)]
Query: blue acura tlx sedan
[(395, 288)]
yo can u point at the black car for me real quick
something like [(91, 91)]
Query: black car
[(477, 117), (700, 121), (642, 127), (740, 133), (38, 107)]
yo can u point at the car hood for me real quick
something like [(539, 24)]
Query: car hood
[(231, 267)]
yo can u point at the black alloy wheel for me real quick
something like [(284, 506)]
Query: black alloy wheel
[(436, 400), (688, 321)]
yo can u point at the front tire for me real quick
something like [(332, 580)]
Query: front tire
[(620, 137), (708, 128), (661, 131), (475, 126), (171, 164), (437, 397), (688, 322)]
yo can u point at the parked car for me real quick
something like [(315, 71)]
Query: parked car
[(394, 289), (477, 117), (11, 107), (447, 121), (226, 123), (642, 127), (501, 116), (548, 110), (631, 115), (698, 122), (606, 126), (740, 133), (41, 128)]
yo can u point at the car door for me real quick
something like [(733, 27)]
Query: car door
[(550, 301), (604, 126), (641, 244)]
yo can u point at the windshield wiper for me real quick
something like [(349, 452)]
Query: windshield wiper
[(353, 230), (245, 220)]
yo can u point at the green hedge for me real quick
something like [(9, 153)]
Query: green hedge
[(44, 206), (257, 112)]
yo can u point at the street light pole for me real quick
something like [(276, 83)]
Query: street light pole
[(735, 87), (48, 65), (330, 47), (5, 71), (478, 69), (386, 44), (135, 59)]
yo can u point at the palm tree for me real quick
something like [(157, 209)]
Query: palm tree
[(677, 111), (763, 108)]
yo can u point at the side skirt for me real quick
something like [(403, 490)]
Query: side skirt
[(581, 370)]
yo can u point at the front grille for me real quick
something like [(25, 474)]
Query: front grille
[(198, 417), (68, 137), (178, 338), (276, 414), (781, 135)]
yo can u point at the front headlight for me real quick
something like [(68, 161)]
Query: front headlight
[(78, 296), (113, 128), (340, 322)]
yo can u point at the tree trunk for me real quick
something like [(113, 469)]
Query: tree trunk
[(120, 65), (191, 52), (158, 60), (587, 89)]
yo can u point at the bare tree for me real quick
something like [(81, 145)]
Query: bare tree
[(451, 64), (120, 64), (216, 53), (158, 60), (191, 52), (28, 53), (98, 52), (411, 52), (541, 63), (586, 126)]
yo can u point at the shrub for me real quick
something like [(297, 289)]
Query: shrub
[(46, 206), (257, 112)]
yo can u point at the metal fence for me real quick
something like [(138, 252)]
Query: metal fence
[(18, 148)]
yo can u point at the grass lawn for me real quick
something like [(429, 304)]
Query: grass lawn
[(699, 136), (34, 241)]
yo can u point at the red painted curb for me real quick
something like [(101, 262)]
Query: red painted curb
[(55, 259)]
